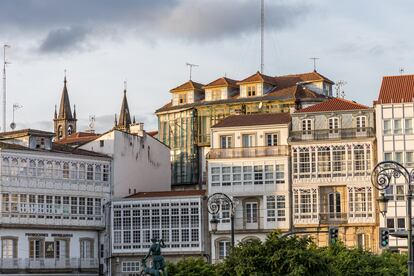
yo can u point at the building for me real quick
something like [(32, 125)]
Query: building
[(177, 217), (184, 123), (333, 153), (141, 163), (65, 121), (52, 200), (249, 161), (394, 110)]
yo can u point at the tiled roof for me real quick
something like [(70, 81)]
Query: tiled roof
[(396, 89), (168, 194), (189, 85), (334, 104), (254, 119), (78, 138), (25, 132), (220, 82), (258, 77), (311, 76), (152, 133)]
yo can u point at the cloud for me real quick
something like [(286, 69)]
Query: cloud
[(64, 39), (200, 21)]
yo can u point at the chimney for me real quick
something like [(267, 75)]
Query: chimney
[(137, 129)]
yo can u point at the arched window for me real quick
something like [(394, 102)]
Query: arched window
[(65, 170), (49, 169), (98, 173), (82, 171), (70, 130), (32, 168), (89, 172), (73, 171), (6, 166), (60, 132), (23, 167), (14, 167), (40, 168), (57, 170)]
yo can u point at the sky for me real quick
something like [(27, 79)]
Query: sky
[(103, 43)]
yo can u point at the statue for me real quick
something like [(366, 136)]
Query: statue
[(158, 263)]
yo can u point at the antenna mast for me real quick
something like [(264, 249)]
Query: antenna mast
[(191, 65), (314, 62), (262, 37), (5, 62), (340, 93)]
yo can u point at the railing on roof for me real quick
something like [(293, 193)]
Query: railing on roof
[(222, 153), (326, 134)]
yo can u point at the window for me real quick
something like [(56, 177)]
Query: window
[(408, 126), (401, 223), (224, 249), (258, 174), (281, 205), (89, 173), (387, 156), (399, 192), (237, 177), (225, 213), (251, 90), (98, 173), (397, 126), (271, 208), (247, 140), (280, 174), (307, 126), (387, 127), (324, 161), (82, 171), (305, 203), (271, 139), (36, 248), (86, 249), (225, 142), (106, 173), (101, 143), (8, 248), (247, 175), (215, 176), (226, 176), (409, 158), (182, 98), (73, 171), (334, 204), (65, 170), (215, 94), (251, 212), (333, 125), (399, 157), (361, 123), (360, 202), (130, 266), (390, 224)]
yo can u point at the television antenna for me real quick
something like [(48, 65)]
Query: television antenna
[(314, 62), (339, 87), (5, 62), (16, 106), (91, 123), (190, 66)]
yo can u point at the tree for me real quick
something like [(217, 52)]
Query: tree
[(190, 267)]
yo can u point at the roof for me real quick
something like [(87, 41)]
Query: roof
[(334, 104), (25, 132), (397, 89), (78, 138), (259, 77), (168, 194), (152, 133), (220, 82), (288, 88), (189, 85), (65, 111), (254, 119)]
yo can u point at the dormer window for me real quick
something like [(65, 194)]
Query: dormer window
[(361, 123), (307, 126), (182, 98), (333, 125), (251, 90), (215, 94)]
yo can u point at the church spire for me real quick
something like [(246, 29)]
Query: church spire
[(124, 116), (65, 111)]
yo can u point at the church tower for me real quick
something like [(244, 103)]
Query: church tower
[(65, 121), (124, 116)]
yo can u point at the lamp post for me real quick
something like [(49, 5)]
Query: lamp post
[(215, 203), (381, 178)]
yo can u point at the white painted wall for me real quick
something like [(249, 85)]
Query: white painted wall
[(140, 164)]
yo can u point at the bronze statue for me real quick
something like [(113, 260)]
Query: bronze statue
[(158, 263)]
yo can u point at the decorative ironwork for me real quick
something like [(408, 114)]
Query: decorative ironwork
[(385, 171), (216, 201)]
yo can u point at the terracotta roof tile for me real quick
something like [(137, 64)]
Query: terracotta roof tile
[(189, 85), (220, 82), (168, 193), (78, 138), (396, 89), (254, 119), (334, 104), (311, 76), (259, 77)]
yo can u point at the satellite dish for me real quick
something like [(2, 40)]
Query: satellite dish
[(260, 105), (13, 125)]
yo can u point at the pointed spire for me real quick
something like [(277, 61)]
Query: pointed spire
[(124, 115), (55, 112), (74, 111), (133, 120), (65, 111), (116, 122)]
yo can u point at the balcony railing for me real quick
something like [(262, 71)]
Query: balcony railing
[(325, 218), (326, 134), (53, 264), (223, 153)]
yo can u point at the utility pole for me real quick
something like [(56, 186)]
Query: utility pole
[(5, 62), (191, 65), (262, 14)]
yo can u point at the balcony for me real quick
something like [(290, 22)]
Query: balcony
[(52, 264), (333, 218), (224, 153), (331, 134), (88, 221)]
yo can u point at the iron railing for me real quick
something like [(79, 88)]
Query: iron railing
[(45, 263), (326, 134)]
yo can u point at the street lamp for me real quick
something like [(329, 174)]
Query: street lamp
[(215, 203), (381, 178)]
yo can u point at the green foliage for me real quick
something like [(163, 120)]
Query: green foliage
[(190, 267), (294, 256)]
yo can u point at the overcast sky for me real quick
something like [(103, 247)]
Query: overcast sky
[(101, 43)]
